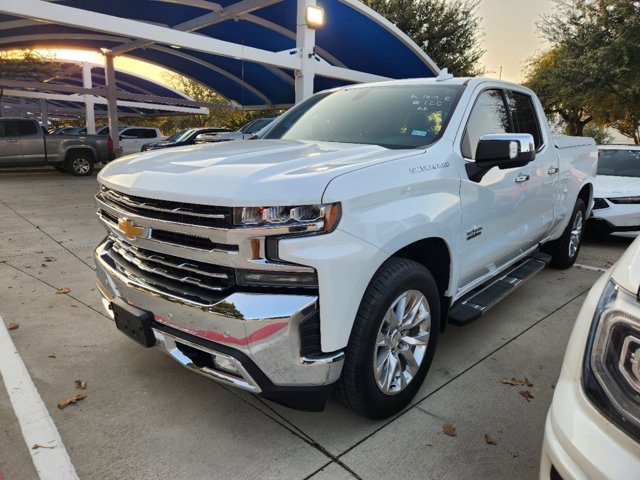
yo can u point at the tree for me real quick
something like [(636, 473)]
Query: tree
[(448, 31), (558, 79), (26, 65), (217, 117), (597, 40)]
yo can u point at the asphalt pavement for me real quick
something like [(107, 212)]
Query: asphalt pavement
[(144, 416)]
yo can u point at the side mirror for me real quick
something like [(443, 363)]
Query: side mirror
[(505, 150)]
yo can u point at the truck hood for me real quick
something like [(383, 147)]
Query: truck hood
[(242, 173), (611, 186)]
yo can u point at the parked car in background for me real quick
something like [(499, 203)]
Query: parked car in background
[(133, 138), (617, 191), (244, 133), (183, 137), (23, 142), (593, 426)]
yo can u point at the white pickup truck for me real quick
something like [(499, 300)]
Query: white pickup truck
[(330, 253)]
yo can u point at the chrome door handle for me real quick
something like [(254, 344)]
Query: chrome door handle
[(522, 178), (552, 171)]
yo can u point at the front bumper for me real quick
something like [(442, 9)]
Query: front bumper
[(256, 336), (618, 219)]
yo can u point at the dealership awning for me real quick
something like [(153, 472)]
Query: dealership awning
[(255, 53)]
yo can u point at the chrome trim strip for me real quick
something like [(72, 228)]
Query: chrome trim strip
[(118, 199), (167, 343)]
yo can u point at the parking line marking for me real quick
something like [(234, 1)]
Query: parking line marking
[(51, 462), (589, 267)]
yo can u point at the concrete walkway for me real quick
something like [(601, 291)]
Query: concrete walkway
[(146, 417)]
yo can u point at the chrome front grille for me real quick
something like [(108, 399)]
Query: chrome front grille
[(203, 281), (186, 251), (176, 212)]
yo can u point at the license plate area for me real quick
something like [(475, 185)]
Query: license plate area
[(133, 322)]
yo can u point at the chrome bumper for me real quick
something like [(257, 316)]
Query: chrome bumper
[(257, 334)]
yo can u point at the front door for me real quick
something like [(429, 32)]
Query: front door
[(504, 210)]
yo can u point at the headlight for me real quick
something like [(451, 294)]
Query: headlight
[(612, 360), (300, 218)]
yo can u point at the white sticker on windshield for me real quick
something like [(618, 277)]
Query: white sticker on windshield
[(419, 133)]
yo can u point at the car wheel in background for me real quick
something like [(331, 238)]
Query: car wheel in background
[(79, 164)]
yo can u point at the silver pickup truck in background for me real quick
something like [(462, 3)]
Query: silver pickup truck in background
[(23, 142)]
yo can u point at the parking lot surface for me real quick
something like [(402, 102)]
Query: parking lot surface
[(144, 416)]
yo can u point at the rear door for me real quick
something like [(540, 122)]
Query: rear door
[(31, 142), (10, 151)]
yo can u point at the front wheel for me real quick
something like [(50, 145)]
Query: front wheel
[(393, 340), (565, 249)]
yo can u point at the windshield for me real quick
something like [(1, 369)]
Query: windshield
[(256, 125), (407, 116), (620, 163), (179, 135)]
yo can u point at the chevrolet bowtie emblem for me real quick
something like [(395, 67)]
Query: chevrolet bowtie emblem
[(131, 231)]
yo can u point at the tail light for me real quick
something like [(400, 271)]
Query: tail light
[(110, 144)]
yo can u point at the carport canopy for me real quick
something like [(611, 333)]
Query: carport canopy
[(254, 53)]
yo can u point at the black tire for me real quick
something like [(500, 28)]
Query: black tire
[(358, 387), (565, 249), (79, 164)]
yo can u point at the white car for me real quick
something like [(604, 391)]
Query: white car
[(593, 426), (617, 191), (133, 138)]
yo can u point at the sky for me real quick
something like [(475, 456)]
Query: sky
[(509, 36)]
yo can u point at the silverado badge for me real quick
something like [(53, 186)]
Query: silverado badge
[(474, 232), (131, 231)]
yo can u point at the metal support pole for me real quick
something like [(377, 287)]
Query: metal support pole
[(44, 113), (90, 115), (305, 44), (112, 106)]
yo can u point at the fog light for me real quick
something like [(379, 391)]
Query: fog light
[(226, 365)]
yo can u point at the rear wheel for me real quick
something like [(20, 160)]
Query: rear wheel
[(564, 250), (79, 164), (393, 340)]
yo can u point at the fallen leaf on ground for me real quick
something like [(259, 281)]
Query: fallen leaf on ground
[(50, 259), (527, 395), (12, 326), (515, 455), (68, 401), (81, 384), (516, 382), (37, 445), (51, 355), (449, 430), (44, 265), (63, 290), (528, 382), (489, 439)]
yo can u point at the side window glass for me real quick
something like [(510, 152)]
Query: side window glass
[(149, 133), (524, 116), (489, 115), (27, 128), (9, 128)]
